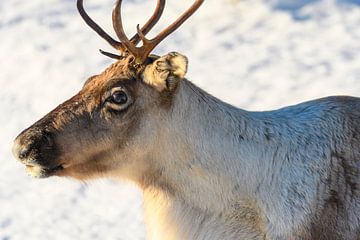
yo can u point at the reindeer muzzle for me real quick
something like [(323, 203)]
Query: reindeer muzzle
[(35, 149)]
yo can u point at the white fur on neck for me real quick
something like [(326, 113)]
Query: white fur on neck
[(225, 173)]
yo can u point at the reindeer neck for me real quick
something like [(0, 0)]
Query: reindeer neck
[(204, 164), (201, 148)]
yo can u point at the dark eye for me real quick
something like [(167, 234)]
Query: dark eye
[(119, 97)]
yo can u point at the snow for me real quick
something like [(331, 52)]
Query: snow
[(255, 54)]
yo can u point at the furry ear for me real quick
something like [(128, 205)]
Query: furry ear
[(165, 72)]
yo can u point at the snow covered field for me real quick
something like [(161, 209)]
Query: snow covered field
[(254, 54)]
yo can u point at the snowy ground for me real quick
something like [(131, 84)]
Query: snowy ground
[(255, 54)]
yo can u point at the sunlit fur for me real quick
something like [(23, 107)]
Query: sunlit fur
[(212, 171)]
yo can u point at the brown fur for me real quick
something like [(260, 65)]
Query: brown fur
[(87, 131)]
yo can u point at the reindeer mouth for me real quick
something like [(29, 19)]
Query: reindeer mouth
[(55, 169), (38, 171)]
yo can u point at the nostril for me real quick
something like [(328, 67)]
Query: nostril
[(31, 145), (21, 151), (24, 153)]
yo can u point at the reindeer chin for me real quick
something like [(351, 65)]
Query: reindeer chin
[(37, 171)]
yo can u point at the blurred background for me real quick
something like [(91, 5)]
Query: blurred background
[(255, 54)]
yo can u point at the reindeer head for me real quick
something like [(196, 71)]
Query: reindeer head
[(107, 127)]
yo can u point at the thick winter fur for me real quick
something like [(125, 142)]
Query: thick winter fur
[(209, 170)]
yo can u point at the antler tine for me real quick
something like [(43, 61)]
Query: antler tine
[(149, 45), (141, 53), (110, 55), (118, 27), (151, 22), (95, 26)]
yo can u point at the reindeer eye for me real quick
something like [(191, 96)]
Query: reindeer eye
[(119, 97), (117, 100)]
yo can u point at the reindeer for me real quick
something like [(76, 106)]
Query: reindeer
[(208, 170)]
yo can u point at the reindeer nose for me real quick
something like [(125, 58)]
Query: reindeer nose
[(21, 152), (35, 149), (30, 144)]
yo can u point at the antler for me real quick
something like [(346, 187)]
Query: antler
[(141, 53), (151, 22), (116, 44)]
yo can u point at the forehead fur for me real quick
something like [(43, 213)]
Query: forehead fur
[(118, 70), (95, 86)]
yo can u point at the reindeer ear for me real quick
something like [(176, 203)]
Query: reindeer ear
[(166, 72)]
